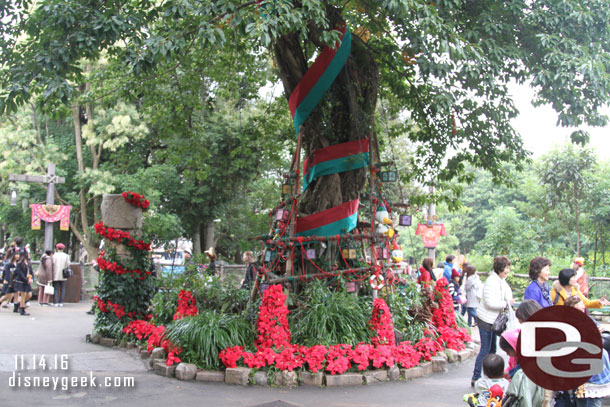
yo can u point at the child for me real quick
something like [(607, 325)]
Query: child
[(492, 384), (508, 343), (525, 391), (454, 289)]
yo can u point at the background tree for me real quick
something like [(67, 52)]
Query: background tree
[(565, 174)]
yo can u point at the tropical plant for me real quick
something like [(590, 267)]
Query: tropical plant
[(203, 336), (327, 317)]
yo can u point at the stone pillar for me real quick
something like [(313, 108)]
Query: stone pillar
[(117, 213)]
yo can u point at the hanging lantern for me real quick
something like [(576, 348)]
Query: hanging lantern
[(389, 176), (350, 287), (13, 198), (352, 254), (310, 253), (286, 189), (382, 253), (279, 214), (268, 256), (404, 220)]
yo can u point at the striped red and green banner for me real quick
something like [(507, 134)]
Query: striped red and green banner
[(318, 78), (334, 221), (335, 159)]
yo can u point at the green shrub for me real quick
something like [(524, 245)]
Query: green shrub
[(164, 306), (213, 294), (326, 317), (203, 336), (401, 305)]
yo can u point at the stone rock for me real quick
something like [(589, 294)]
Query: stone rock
[(210, 376), (260, 379), (465, 354), (107, 342), (161, 368), (131, 345), (144, 354), (394, 373), (96, 338), (157, 353), (474, 346), (412, 373), (237, 375), (452, 355), (375, 376), (186, 371), (438, 363), (442, 355), (345, 379), (123, 344), (426, 368), (276, 379), (118, 213), (312, 379), (289, 379)]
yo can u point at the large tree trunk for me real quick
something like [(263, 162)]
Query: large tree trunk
[(209, 235), (346, 112), (196, 240)]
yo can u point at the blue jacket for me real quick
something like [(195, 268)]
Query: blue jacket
[(534, 292), (447, 271)]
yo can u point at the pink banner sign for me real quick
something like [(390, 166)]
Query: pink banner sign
[(50, 213)]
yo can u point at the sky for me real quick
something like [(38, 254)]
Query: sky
[(537, 127)]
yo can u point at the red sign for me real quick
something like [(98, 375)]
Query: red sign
[(430, 234)]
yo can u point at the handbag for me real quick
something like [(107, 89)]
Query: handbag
[(499, 324), (49, 289), (67, 272)]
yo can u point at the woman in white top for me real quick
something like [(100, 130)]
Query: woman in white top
[(497, 295)]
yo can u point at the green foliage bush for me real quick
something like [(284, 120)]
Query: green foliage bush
[(210, 293), (401, 305), (326, 317), (125, 290), (164, 306), (203, 336)]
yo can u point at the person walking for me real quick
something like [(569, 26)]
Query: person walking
[(8, 292), (44, 276), (497, 296), (61, 261), (472, 286), (22, 280), (539, 290)]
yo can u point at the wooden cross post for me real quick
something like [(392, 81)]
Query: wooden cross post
[(50, 179)]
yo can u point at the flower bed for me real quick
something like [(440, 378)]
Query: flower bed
[(274, 350)]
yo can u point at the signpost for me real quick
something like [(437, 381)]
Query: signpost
[(50, 179)]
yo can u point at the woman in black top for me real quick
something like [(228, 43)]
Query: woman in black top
[(8, 266), (23, 279), (248, 259)]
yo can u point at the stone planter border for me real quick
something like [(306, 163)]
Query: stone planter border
[(244, 376)]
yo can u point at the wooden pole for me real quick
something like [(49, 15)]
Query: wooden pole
[(319, 275)]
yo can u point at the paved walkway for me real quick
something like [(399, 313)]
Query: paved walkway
[(61, 331)]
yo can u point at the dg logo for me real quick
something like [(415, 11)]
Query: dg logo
[(560, 348)]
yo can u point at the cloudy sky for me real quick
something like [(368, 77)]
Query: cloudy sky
[(537, 126)]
